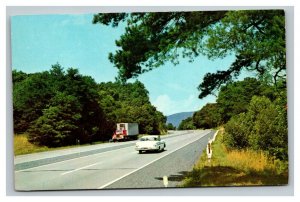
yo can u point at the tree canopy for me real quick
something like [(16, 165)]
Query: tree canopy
[(208, 116), (262, 127), (235, 97), (255, 37), (59, 107), (187, 124), (253, 113), (130, 103)]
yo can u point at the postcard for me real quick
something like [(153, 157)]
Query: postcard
[(150, 100)]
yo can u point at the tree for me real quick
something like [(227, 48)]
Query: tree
[(59, 124), (30, 97), (64, 103), (171, 127), (238, 130), (207, 117), (262, 127), (32, 93), (255, 37), (235, 97), (130, 103), (187, 124), (93, 123), (270, 127), (18, 76)]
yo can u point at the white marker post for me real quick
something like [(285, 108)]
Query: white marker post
[(165, 181), (209, 151)]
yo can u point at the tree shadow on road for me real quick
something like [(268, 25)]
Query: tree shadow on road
[(229, 176), (177, 178)]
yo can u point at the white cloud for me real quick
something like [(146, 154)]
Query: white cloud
[(168, 106), (164, 104)]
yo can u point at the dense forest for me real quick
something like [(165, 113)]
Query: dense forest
[(58, 107)]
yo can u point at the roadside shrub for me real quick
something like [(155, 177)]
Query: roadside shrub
[(237, 131), (269, 128), (262, 127)]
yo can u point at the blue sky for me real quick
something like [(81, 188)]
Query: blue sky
[(39, 41)]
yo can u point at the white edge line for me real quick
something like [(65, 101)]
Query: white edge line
[(69, 160), (109, 183)]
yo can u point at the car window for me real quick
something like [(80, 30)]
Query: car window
[(150, 139)]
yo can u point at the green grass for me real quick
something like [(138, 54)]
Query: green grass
[(236, 168), (22, 146)]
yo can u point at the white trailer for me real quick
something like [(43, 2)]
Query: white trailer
[(126, 131)]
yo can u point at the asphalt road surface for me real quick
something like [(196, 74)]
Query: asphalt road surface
[(112, 165)]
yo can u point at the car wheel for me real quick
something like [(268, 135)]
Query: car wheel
[(140, 151)]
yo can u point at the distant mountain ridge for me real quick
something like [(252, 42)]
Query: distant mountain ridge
[(176, 119)]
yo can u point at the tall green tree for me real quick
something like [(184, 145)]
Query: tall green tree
[(207, 117), (30, 97), (235, 97), (59, 124), (171, 127), (130, 103), (18, 76), (187, 124), (63, 102), (255, 37)]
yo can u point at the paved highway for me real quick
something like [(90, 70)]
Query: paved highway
[(111, 165)]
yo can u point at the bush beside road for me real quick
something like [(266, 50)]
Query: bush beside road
[(236, 168)]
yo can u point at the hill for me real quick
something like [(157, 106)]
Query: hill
[(175, 119)]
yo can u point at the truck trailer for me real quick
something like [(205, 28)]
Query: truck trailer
[(125, 131)]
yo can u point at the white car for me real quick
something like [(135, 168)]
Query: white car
[(150, 143)]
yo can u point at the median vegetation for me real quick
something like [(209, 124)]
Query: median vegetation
[(236, 167)]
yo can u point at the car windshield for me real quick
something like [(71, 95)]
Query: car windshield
[(149, 139)]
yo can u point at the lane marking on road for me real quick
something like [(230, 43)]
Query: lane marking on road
[(78, 158), (80, 168), (75, 158), (111, 182), (69, 160), (20, 157)]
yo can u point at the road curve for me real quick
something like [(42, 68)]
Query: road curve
[(110, 166)]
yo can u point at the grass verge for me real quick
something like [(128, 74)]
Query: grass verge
[(236, 168), (22, 146)]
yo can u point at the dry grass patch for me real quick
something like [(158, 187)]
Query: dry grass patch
[(236, 168), (22, 146)]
